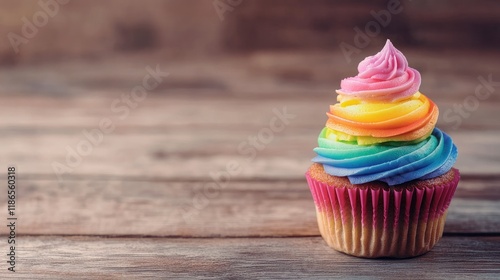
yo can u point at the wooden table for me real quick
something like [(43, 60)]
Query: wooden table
[(141, 203)]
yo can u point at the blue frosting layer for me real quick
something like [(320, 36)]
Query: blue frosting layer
[(391, 163)]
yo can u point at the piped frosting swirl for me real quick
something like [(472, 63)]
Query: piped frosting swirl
[(382, 128), (382, 77)]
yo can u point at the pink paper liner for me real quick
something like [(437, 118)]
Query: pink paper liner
[(411, 216), (400, 204)]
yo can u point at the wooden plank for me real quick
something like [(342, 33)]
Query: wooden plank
[(54, 257), (445, 76), (191, 209), (45, 114), (194, 153)]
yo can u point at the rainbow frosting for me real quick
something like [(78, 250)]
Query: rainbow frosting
[(382, 128)]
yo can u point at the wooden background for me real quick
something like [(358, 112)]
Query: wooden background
[(137, 206)]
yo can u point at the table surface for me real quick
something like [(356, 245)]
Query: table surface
[(179, 188)]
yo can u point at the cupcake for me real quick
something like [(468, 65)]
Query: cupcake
[(383, 177)]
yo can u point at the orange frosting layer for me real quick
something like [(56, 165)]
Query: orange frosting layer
[(407, 120)]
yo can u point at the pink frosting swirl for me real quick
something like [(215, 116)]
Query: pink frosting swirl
[(382, 77)]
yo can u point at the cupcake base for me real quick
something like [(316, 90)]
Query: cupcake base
[(374, 220), (380, 242)]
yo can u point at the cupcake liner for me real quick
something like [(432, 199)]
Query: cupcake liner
[(382, 221)]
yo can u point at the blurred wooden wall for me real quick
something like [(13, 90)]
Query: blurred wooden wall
[(93, 28), (325, 23)]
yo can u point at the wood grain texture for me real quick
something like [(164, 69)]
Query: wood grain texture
[(194, 121), (191, 209), (140, 204), (53, 257), (217, 109), (188, 153), (446, 75)]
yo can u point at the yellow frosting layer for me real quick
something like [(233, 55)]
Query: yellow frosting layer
[(411, 119)]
